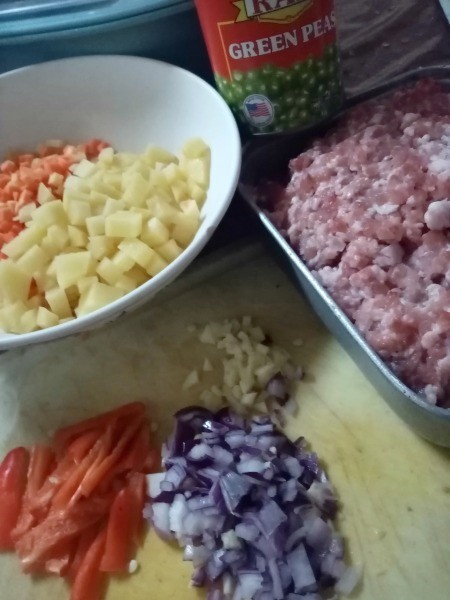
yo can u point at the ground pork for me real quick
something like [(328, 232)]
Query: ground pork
[(368, 209)]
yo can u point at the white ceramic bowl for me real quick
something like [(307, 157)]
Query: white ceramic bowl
[(132, 103)]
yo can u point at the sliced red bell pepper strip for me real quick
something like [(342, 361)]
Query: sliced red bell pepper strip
[(13, 480), (137, 487), (84, 542), (67, 493), (119, 533), (64, 435), (81, 445), (135, 457), (60, 526), (106, 469), (153, 461), (89, 581), (41, 464), (61, 559)]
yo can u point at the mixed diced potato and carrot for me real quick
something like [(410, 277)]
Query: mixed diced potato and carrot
[(119, 220)]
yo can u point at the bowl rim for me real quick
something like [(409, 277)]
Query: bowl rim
[(113, 310)]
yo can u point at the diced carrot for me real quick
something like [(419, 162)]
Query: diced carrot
[(21, 175)]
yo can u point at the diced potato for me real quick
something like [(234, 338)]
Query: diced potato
[(145, 212), (45, 282), (56, 179), (123, 218), (77, 236), (198, 170), (74, 196), (180, 190), (85, 283), (195, 148), (98, 295), (101, 246), (125, 159), (73, 293), (56, 240), (173, 173), (97, 198), (35, 301), (112, 206), (108, 271), (75, 184), (26, 212), (184, 230), (34, 260), (138, 275), (103, 187), (169, 251), (96, 225), (84, 168), (45, 318), (50, 213), (123, 223), (71, 267), (161, 187), (66, 320), (44, 194), (154, 233), (165, 213), (157, 264), (28, 321), (190, 207), (58, 302), (106, 156), (11, 316), (136, 190), (78, 211), (123, 261), (196, 193), (24, 241), (14, 282), (126, 283), (137, 250), (114, 180), (155, 155)]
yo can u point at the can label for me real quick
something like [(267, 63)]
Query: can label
[(275, 61)]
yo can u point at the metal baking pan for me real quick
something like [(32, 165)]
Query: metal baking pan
[(268, 160)]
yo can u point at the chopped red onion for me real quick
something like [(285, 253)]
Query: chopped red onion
[(251, 509)]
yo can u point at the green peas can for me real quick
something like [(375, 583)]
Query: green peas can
[(275, 62)]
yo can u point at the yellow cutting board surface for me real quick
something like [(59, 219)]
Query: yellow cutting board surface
[(394, 487)]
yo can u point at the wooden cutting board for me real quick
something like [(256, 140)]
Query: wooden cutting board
[(394, 487)]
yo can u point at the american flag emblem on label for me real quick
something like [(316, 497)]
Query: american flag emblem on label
[(258, 110)]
